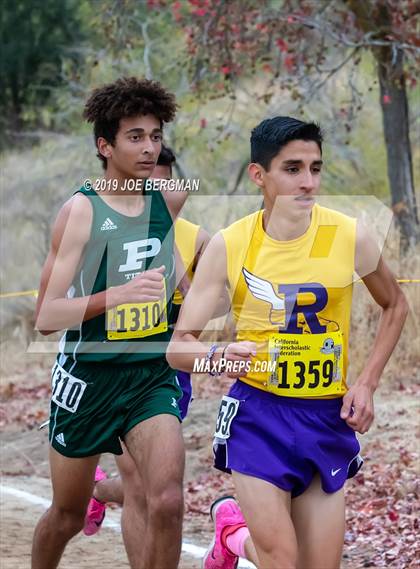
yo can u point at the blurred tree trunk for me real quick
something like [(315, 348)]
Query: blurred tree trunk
[(376, 20), (15, 122)]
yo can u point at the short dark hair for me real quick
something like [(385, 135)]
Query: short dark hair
[(271, 135), (126, 97), (166, 157)]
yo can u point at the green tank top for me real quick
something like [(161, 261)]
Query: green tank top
[(119, 248)]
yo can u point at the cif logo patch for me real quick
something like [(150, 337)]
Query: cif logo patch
[(286, 312)]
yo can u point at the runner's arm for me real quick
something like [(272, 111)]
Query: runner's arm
[(386, 292), (67, 245), (183, 280), (184, 283), (210, 280), (174, 201), (71, 232), (223, 304), (202, 240)]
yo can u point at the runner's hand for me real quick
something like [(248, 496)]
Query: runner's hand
[(147, 287), (357, 409), (239, 352)]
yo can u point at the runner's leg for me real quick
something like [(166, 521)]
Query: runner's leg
[(133, 516), (110, 489), (72, 481), (157, 448), (318, 518), (251, 552), (266, 509)]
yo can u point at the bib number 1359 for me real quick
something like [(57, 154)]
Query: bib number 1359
[(311, 373), (308, 365)]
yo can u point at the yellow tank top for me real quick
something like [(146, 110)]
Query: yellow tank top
[(297, 287), (185, 239)]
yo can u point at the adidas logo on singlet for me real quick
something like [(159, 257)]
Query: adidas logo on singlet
[(108, 224)]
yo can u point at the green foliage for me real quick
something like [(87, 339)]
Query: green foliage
[(59, 62), (36, 37), (210, 136)]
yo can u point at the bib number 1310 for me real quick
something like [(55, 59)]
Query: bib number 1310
[(127, 321), (67, 390)]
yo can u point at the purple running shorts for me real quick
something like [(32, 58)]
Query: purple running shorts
[(184, 382), (285, 440)]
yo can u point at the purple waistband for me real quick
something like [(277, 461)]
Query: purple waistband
[(241, 389)]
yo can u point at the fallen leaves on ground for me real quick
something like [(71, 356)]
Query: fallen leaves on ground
[(382, 509), (23, 405), (382, 500)]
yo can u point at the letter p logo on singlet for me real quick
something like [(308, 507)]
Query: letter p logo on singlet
[(138, 251)]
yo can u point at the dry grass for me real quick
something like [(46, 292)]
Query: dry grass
[(403, 365)]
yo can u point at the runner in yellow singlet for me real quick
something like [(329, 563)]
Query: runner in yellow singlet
[(286, 430)]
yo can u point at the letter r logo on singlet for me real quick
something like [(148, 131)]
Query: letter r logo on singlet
[(138, 251), (319, 296), (289, 301)]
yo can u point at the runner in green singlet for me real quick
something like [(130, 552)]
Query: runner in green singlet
[(107, 282)]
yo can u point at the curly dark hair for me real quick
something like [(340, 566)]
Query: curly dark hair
[(126, 97)]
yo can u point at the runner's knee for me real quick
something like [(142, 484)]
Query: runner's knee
[(282, 555), (168, 504), (67, 521)]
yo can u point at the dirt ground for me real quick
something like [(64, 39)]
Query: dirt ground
[(25, 468), (382, 501)]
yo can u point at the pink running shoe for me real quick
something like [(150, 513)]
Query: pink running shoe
[(227, 518), (96, 510)]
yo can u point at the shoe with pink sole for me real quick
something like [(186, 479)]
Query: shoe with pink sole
[(227, 518), (96, 510)]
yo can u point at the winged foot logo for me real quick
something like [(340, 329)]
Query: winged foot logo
[(285, 310)]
